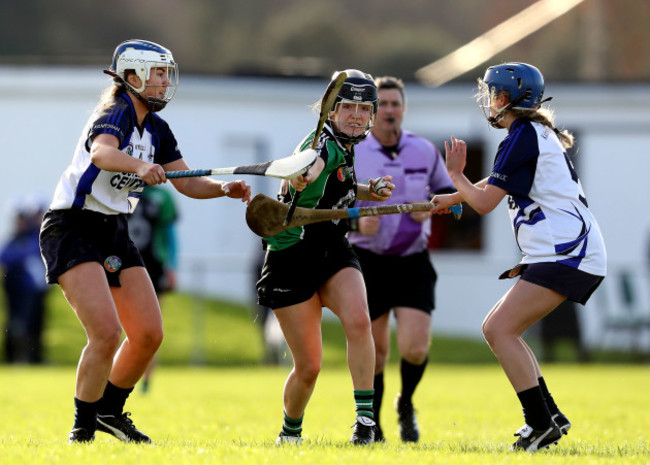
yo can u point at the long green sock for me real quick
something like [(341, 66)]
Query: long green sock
[(292, 426), (363, 402)]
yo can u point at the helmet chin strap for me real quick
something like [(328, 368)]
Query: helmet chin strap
[(494, 120), (152, 104), (348, 139)]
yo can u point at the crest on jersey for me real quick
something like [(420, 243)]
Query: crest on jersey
[(343, 173)]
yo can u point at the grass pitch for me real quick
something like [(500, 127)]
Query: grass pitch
[(229, 410), (467, 415)]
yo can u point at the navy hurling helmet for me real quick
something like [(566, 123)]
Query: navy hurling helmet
[(523, 82)]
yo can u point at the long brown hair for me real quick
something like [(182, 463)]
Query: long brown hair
[(545, 117), (108, 95)]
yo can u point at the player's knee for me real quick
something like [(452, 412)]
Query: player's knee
[(105, 343), (308, 371), (155, 338), (149, 339), (491, 332), (358, 324), (416, 354)]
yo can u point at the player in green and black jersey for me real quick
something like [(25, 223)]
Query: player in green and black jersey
[(311, 267)]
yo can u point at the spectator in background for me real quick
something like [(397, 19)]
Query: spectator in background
[(24, 284), (392, 249), (152, 227)]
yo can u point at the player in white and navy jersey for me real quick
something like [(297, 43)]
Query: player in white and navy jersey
[(85, 241), (563, 250)]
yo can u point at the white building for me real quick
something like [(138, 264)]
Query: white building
[(223, 122)]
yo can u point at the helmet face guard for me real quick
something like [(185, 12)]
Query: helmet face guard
[(523, 82), (141, 57), (358, 88)]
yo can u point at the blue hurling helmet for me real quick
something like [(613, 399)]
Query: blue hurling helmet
[(140, 57), (523, 82)]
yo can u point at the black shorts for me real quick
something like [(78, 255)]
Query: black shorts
[(71, 237), (292, 275), (395, 281), (156, 272), (575, 285)]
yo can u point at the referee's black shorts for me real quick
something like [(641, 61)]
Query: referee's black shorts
[(71, 237), (292, 275), (395, 281)]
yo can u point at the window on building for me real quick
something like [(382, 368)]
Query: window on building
[(448, 233)]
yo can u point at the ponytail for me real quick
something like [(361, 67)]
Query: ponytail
[(545, 117)]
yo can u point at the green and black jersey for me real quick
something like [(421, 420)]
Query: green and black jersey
[(336, 187)]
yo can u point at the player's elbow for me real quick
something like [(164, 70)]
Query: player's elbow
[(96, 154), (488, 201), (484, 206), (100, 156), (482, 209)]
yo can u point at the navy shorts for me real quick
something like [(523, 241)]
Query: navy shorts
[(71, 237), (395, 281), (576, 285), (292, 275)]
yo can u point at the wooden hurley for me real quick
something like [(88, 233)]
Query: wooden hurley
[(265, 216)]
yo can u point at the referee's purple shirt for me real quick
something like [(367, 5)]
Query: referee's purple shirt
[(418, 169)]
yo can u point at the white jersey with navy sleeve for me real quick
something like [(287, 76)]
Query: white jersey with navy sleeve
[(83, 185), (548, 209)]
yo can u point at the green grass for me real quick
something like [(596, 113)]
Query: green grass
[(201, 332), (467, 414), (197, 331), (210, 332), (213, 402)]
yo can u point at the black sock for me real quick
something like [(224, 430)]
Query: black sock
[(113, 400), (85, 415), (379, 395), (536, 412), (411, 376), (550, 402)]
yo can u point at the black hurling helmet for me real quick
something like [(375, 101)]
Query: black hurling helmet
[(358, 87)]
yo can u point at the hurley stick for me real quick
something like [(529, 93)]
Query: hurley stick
[(327, 102), (264, 215), (284, 168)]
